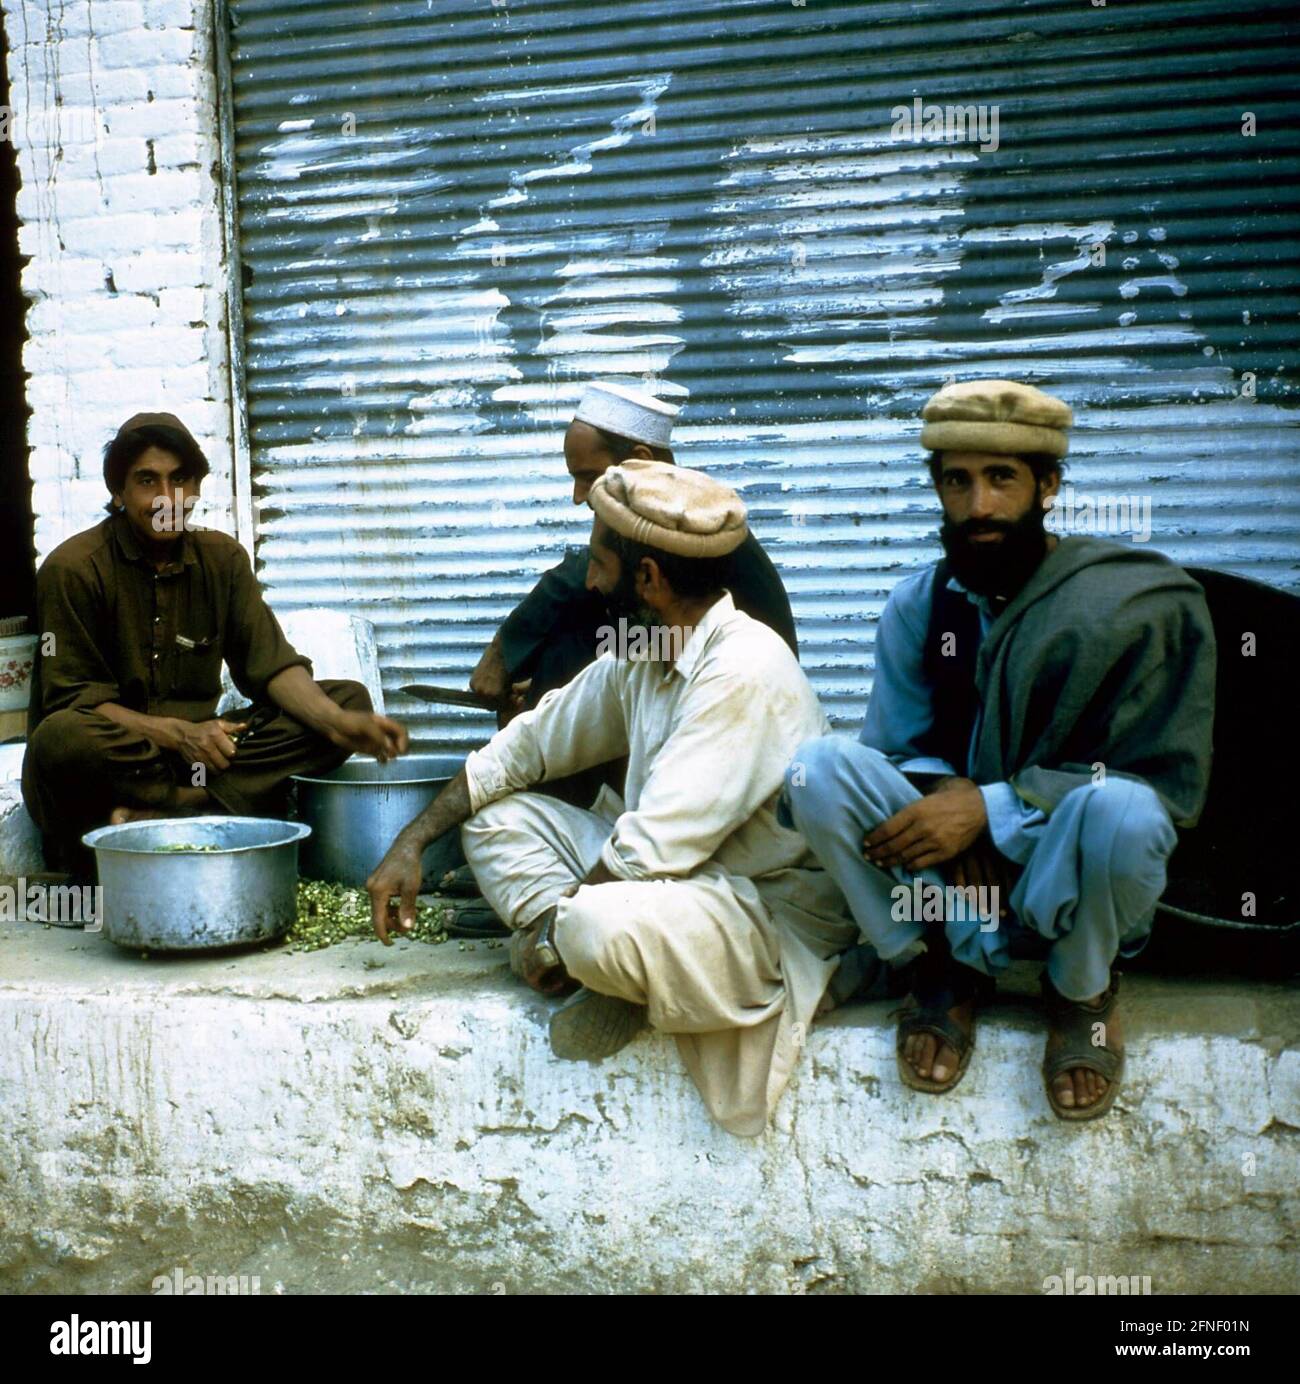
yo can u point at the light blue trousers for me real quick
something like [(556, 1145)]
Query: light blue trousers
[(1087, 892)]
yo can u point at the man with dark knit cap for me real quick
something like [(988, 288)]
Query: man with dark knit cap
[(1039, 725), (137, 615), (682, 904)]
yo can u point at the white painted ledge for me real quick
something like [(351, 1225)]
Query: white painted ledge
[(392, 1120)]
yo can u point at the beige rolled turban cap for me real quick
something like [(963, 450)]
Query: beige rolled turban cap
[(670, 508), (997, 416)]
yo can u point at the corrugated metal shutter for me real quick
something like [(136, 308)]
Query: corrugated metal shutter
[(452, 213)]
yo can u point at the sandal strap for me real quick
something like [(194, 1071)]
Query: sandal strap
[(1106, 1062), (1076, 1049), (936, 1023)]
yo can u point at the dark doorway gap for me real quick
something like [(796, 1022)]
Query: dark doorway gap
[(17, 549)]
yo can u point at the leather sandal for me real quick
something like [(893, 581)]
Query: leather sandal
[(592, 1026), (1070, 1046), (475, 918), (937, 988)]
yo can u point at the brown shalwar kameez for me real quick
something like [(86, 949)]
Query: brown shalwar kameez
[(122, 631)]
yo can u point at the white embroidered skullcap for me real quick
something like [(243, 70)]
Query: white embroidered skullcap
[(631, 413)]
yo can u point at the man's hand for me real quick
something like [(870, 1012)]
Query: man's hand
[(201, 742), (366, 732), (984, 867), (931, 830), (491, 678), (397, 874)]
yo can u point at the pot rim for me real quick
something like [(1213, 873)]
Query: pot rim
[(101, 839), (385, 782)]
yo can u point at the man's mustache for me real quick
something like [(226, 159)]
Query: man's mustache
[(982, 526)]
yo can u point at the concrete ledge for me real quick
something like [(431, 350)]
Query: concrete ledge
[(392, 1120)]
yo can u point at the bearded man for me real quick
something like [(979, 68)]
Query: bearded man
[(1040, 723), (553, 633), (684, 904)]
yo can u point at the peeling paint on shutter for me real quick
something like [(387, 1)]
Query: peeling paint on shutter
[(452, 213)]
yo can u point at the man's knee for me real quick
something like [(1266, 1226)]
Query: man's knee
[(595, 941), (63, 741), (823, 775), (514, 812), (1126, 825), (479, 829), (351, 696)]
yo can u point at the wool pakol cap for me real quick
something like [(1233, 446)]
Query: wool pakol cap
[(670, 508), (631, 413), (997, 416)]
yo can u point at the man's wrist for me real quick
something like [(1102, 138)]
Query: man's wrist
[(160, 729), (328, 720), (412, 839)]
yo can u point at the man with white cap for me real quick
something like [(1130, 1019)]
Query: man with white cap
[(1040, 721), (686, 904), (552, 634)]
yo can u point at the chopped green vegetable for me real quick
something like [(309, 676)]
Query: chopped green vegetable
[(330, 913)]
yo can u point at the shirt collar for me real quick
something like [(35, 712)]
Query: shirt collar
[(130, 547), (981, 603), (717, 613)]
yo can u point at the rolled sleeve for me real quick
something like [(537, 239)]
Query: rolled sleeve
[(570, 729), (927, 764), (1014, 824)]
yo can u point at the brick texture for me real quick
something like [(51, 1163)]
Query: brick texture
[(114, 122)]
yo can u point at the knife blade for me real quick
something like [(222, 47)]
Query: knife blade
[(453, 696)]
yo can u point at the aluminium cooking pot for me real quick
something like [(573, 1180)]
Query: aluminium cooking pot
[(356, 811), (161, 898)]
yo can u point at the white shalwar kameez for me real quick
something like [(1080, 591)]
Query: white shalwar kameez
[(719, 919)]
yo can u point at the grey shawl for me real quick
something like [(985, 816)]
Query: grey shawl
[(1106, 657)]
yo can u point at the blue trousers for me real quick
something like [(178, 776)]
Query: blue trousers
[(1087, 892)]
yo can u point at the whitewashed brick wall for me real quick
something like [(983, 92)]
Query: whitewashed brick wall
[(114, 120)]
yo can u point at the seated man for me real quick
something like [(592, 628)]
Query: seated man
[(687, 905), (553, 633), (137, 615), (1040, 721)]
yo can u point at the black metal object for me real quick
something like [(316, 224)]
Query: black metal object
[(1232, 898)]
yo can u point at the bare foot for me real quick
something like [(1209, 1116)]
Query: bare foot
[(119, 815), (1077, 1088), (154, 802), (178, 802), (928, 1057)]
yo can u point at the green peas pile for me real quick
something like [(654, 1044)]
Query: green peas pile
[(330, 913)]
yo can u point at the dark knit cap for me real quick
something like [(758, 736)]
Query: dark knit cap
[(142, 431)]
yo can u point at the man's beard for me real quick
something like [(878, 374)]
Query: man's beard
[(996, 569), (623, 604)]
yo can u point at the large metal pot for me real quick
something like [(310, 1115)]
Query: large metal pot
[(167, 900), (356, 812)]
